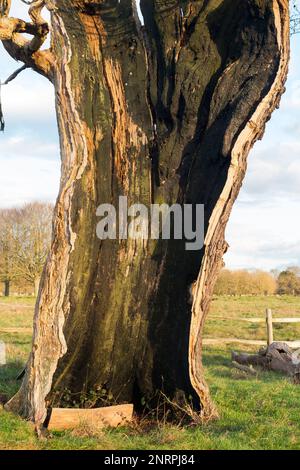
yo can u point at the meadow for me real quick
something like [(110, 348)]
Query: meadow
[(256, 412)]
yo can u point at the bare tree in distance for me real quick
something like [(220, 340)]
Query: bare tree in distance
[(25, 236), (8, 273), (288, 282), (34, 232)]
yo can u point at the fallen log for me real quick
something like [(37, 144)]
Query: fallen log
[(278, 357), (243, 368), (69, 418)]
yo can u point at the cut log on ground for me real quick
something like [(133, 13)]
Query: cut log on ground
[(278, 357), (70, 418)]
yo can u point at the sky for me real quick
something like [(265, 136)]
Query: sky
[(264, 229)]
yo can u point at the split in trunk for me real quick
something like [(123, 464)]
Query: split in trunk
[(161, 113)]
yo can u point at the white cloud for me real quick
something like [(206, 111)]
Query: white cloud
[(264, 234), (21, 101), (26, 146), (274, 170), (26, 179)]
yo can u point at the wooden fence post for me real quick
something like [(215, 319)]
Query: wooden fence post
[(269, 322), (2, 354)]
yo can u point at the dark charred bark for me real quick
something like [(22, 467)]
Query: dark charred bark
[(163, 113)]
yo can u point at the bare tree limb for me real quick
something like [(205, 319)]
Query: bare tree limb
[(19, 47), (247, 369), (15, 74)]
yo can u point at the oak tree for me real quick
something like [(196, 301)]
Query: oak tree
[(163, 112)]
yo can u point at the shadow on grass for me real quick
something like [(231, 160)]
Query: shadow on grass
[(9, 384), (221, 359)]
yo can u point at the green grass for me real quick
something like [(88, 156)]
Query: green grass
[(260, 412), (252, 306)]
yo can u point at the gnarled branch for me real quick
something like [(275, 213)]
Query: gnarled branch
[(21, 48)]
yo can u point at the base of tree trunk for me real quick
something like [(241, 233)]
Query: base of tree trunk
[(278, 357)]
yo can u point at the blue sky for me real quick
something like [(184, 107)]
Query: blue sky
[(264, 230)]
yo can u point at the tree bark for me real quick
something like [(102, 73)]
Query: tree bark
[(163, 113)]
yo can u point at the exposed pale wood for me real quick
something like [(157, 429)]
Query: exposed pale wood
[(213, 341), (69, 418), (2, 353), (270, 338)]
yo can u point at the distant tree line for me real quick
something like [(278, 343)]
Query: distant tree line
[(25, 235), (243, 282)]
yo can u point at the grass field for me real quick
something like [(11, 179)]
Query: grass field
[(261, 412)]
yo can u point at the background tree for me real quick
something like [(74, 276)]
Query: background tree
[(294, 269), (242, 282), (33, 236), (8, 272), (265, 284), (25, 235), (162, 113), (288, 283), (275, 273)]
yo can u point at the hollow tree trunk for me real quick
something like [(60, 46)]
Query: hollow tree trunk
[(163, 113)]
